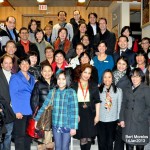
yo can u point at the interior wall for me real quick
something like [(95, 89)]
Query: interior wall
[(19, 11)]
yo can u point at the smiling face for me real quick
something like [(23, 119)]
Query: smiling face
[(61, 81), (123, 43), (85, 41), (39, 36), (47, 72), (7, 64), (126, 33), (92, 19), (82, 28), (62, 16), (62, 35), (33, 60), (85, 59), (102, 25), (102, 48), (107, 79), (33, 26), (24, 66), (10, 48), (79, 49), (59, 58), (11, 23), (136, 79), (121, 65), (140, 60), (24, 35), (86, 74)]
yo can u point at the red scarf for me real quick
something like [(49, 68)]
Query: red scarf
[(54, 65), (66, 46)]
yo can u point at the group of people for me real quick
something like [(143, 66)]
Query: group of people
[(95, 89)]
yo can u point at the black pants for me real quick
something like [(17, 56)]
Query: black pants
[(106, 135), (21, 139), (119, 143), (131, 147)]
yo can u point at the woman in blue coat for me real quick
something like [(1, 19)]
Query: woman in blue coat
[(21, 86)]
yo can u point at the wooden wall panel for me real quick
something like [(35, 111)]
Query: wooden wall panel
[(19, 11)]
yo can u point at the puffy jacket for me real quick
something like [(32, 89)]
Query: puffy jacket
[(39, 93)]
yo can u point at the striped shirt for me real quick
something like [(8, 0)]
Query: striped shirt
[(65, 108)]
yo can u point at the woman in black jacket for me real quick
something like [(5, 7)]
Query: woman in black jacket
[(121, 72), (41, 89)]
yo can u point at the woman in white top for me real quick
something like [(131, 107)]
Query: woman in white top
[(111, 98)]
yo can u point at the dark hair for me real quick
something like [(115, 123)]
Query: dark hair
[(10, 41), (59, 52), (49, 47), (124, 28), (25, 58), (37, 31), (81, 24), (23, 28), (85, 35), (123, 36), (112, 85), (46, 64), (82, 54), (79, 69), (32, 53), (142, 53), (147, 75), (29, 25), (102, 41), (63, 12), (146, 39), (80, 44), (138, 72), (61, 30), (92, 13), (9, 17), (125, 59), (4, 56), (102, 18), (67, 76)]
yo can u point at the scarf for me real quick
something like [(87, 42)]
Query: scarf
[(108, 101), (64, 45), (118, 75), (54, 66)]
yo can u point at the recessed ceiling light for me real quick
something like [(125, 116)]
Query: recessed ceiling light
[(81, 1), (1, 1), (40, 1)]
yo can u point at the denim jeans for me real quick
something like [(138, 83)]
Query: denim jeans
[(62, 140), (6, 145)]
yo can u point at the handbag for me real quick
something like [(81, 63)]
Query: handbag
[(45, 120), (31, 130)]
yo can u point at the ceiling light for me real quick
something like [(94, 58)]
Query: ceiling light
[(40, 1), (1, 1), (81, 1)]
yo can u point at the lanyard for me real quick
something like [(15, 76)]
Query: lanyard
[(87, 88)]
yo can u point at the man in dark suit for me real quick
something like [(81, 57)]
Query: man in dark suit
[(105, 35), (5, 74), (124, 51)]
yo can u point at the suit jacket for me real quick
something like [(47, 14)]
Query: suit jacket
[(21, 52), (128, 54), (5, 98)]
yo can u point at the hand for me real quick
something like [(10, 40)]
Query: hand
[(73, 132), (119, 124), (96, 120), (19, 116), (122, 124), (78, 119)]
